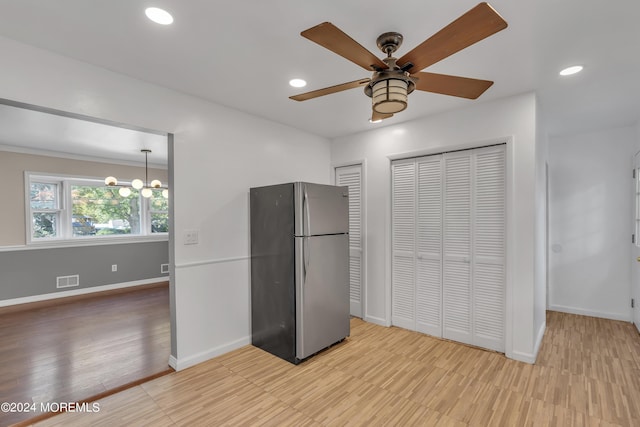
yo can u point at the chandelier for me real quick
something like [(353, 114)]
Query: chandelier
[(146, 188)]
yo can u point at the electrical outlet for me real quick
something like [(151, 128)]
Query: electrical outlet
[(114, 267)]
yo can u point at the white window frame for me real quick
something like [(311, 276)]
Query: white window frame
[(64, 212)]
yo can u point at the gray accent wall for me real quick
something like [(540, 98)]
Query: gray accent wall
[(25, 273)]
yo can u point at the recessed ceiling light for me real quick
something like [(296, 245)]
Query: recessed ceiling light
[(159, 16), (297, 83), (571, 70)]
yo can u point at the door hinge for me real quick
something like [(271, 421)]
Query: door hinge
[(633, 238), (633, 174), (633, 303)]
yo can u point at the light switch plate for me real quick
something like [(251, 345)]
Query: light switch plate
[(191, 237)]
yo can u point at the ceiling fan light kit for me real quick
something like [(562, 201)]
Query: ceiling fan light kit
[(394, 79)]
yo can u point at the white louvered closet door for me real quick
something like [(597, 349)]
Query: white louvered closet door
[(428, 296), (403, 234), (489, 255), (351, 176), (448, 245), (456, 274)]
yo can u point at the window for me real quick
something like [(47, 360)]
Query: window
[(71, 208), (44, 199)]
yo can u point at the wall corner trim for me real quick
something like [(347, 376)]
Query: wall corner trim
[(186, 362), (530, 358), (539, 339)]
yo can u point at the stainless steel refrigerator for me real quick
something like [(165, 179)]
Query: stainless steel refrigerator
[(299, 268)]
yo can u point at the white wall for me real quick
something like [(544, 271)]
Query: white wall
[(591, 208), (540, 233), (512, 119), (219, 153)]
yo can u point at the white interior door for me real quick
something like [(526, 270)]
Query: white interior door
[(351, 176), (635, 291)]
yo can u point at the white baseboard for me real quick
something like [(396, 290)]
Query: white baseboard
[(377, 321), (173, 362), (185, 362), (592, 313), (522, 357), (82, 291)]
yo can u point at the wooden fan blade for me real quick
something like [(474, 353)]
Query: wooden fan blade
[(375, 116), (331, 37), (329, 90), (451, 85), (475, 25)]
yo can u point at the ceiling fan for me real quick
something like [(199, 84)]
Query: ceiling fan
[(394, 79)]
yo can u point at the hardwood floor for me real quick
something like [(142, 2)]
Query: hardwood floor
[(587, 374), (73, 350)]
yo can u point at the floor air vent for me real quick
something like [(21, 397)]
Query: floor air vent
[(67, 281)]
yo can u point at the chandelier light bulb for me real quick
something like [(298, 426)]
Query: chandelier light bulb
[(165, 193), (111, 181), (137, 184), (156, 183), (124, 191), (146, 192)]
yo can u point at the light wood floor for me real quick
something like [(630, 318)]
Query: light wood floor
[(73, 349), (587, 374)]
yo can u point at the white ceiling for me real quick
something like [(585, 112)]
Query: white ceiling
[(242, 54), (55, 134)]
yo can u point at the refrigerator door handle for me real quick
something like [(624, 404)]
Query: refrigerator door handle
[(306, 252), (306, 230)]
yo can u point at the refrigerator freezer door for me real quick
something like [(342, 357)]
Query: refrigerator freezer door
[(322, 292), (321, 209)]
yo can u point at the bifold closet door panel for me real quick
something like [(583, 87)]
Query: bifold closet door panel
[(403, 235), (457, 246), (489, 248), (429, 245)]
